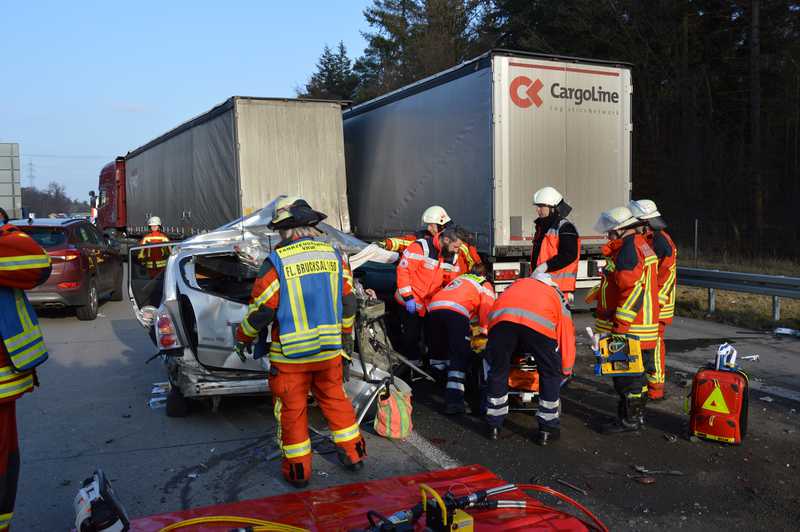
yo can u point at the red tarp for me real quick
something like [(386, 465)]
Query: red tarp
[(345, 507)]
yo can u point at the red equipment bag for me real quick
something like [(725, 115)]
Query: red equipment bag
[(719, 405)]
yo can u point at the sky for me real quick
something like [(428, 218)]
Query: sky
[(82, 82)]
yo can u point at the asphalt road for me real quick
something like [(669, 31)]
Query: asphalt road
[(92, 411)]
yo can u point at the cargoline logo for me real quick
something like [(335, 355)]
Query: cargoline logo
[(524, 93)]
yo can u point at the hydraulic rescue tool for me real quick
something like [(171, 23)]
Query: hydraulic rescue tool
[(97, 508)]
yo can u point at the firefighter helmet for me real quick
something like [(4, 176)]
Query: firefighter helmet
[(614, 219), (294, 211), (547, 196), (435, 215), (644, 209), (154, 220)]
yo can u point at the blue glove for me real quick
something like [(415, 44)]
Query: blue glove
[(411, 306)]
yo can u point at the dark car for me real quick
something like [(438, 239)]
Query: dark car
[(85, 266)]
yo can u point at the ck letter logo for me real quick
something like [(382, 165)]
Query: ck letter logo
[(525, 92)]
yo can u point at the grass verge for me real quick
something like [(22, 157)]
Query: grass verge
[(737, 308)]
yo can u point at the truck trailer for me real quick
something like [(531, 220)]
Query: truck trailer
[(10, 183), (228, 163), (480, 138)]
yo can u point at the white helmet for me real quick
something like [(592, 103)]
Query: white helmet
[(613, 219), (435, 215), (154, 220), (644, 209), (547, 196)]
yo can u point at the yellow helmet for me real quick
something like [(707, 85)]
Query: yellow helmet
[(294, 211)]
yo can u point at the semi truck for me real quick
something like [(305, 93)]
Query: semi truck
[(10, 184), (480, 138), (227, 163)]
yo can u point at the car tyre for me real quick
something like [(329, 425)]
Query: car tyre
[(88, 312), (117, 294), (177, 404)]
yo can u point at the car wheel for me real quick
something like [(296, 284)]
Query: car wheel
[(177, 404), (117, 294), (88, 312)]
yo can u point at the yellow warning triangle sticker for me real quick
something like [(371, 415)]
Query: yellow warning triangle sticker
[(716, 402)]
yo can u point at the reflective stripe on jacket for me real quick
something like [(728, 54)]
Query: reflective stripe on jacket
[(467, 254), (667, 254), (310, 314), (566, 277), (542, 308), (422, 272), (154, 258), (469, 295)]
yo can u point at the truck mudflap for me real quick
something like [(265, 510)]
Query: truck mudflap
[(345, 507)]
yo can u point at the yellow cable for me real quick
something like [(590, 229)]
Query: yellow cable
[(423, 488), (262, 524)]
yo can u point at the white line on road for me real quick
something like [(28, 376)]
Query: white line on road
[(778, 391), (431, 452)]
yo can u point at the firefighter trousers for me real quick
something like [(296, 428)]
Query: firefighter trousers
[(656, 379), (507, 339), (9, 462), (290, 384), (451, 339)]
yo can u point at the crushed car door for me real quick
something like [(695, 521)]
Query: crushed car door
[(217, 287)]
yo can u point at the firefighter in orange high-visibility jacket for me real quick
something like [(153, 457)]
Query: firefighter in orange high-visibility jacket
[(23, 265), (667, 253), (467, 298), (556, 246), (631, 293), (305, 290), (154, 259), (530, 316)]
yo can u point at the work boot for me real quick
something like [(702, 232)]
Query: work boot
[(452, 409), (493, 433), (347, 463), (546, 435), (630, 417), (620, 425)]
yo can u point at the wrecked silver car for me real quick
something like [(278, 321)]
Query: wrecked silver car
[(193, 307)]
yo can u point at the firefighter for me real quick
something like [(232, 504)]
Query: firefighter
[(556, 246), (434, 220), (305, 289), (667, 253), (629, 304), (468, 297), (530, 316), (425, 268), (23, 265), (154, 259)]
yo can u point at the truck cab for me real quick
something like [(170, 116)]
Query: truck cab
[(110, 201)]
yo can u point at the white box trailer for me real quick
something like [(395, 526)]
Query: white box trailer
[(10, 179), (481, 138), (233, 160)]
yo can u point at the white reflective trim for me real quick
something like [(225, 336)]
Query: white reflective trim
[(547, 416), (455, 386), (457, 374), (549, 404), (498, 400), (452, 305), (497, 411), (522, 313)]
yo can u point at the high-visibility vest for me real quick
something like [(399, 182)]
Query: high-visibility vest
[(667, 275), (154, 258), (470, 295), (635, 289), (539, 307), (567, 276), (422, 272), (310, 312), (467, 254)]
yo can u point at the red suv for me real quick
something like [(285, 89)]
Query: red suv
[(85, 266)]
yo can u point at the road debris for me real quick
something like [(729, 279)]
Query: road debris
[(645, 480), (767, 399), (671, 438), (785, 331), (643, 470), (573, 486), (192, 476)]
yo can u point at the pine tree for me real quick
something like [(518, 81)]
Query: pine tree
[(334, 78)]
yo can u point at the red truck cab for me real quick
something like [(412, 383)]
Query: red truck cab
[(112, 215)]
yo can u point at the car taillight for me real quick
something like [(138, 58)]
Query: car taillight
[(69, 285), (506, 275), (165, 331), (65, 255)]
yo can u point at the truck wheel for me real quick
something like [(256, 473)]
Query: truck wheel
[(177, 404), (117, 294), (88, 312)]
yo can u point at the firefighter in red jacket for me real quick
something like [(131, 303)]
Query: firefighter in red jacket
[(467, 298), (530, 316), (435, 219), (305, 289), (556, 246), (629, 305), (667, 253), (23, 265), (425, 267), (154, 259)]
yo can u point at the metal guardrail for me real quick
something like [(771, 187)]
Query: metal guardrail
[(777, 286)]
